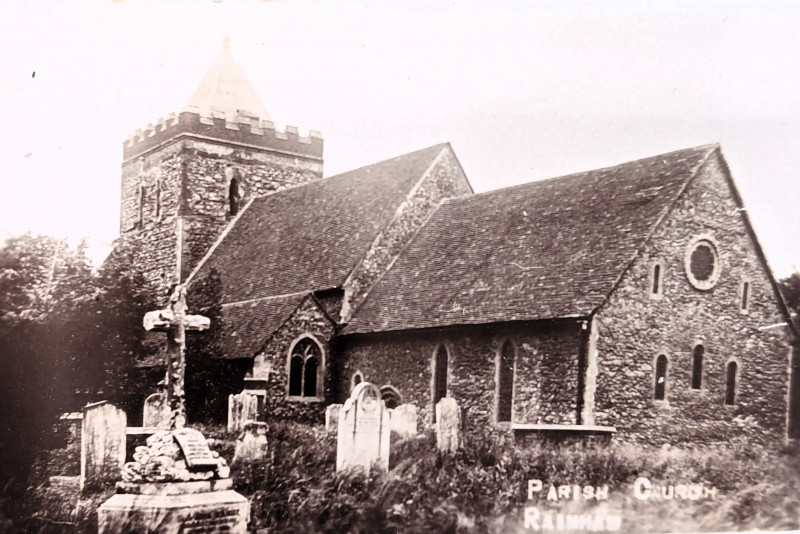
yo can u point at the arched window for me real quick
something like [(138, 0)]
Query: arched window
[(660, 388), (233, 196), (730, 383), (357, 378), (391, 397), (439, 376), (697, 366), (505, 382), (304, 368)]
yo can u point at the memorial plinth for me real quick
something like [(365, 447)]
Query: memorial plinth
[(203, 506), (175, 484)]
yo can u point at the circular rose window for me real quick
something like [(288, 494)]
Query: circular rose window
[(702, 262)]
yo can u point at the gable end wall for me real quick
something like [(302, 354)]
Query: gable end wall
[(444, 179), (634, 328)]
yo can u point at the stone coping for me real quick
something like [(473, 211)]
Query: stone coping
[(593, 429), (174, 488)]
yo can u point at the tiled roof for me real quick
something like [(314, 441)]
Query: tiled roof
[(310, 237), (542, 250), (247, 325)]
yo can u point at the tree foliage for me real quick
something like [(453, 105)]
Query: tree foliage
[(68, 336), (790, 289)]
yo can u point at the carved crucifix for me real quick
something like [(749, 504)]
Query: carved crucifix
[(175, 323)]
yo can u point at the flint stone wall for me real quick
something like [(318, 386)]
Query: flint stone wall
[(546, 386), (190, 179), (634, 328), (445, 179), (273, 364)]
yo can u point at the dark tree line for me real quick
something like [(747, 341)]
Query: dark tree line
[(68, 336)]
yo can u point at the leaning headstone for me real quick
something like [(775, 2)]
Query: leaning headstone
[(364, 433), (404, 420), (448, 425), (156, 412), (242, 407), (102, 442), (252, 444), (332, 417)]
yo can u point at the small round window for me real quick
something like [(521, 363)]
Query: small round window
[(702, 262)]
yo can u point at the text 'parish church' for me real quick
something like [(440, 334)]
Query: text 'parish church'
[(633, 298)]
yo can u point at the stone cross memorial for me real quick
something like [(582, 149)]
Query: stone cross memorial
[(364, 431), (175, 323)]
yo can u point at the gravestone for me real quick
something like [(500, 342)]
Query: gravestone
[(102, 442), (242, 408), (364, 431), (156, 412), (252, 444), (448, 425), (404, 420), (332, 417)]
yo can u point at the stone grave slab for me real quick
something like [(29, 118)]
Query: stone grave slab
[(332, 417), (404, 420), (242, 407), (448, 425), (364, 433), (252, 444), (156, 412), (102, 442)]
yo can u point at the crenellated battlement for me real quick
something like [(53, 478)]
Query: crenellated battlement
[(246, 129)]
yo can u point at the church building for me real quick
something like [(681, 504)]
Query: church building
[(633, 300)]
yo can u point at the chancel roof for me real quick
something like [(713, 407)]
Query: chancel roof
[(541, 250)]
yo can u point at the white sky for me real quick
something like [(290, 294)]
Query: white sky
[(523, 91)]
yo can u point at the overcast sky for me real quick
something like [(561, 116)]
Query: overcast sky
[(523, 91)]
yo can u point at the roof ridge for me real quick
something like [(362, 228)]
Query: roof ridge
[(345, 173), (269, 297), (707, 147)]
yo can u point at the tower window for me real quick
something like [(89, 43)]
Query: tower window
[(233, 196), (305, 363), (697, 367), (660, 389), (440, 364), (730, 383), (158, 199), (141, 205), (744, 297), (505, 382), (656, 281)]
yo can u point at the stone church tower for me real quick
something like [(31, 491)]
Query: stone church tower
[(186, 177)]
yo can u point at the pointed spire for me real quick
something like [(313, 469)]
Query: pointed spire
[(225, 89)]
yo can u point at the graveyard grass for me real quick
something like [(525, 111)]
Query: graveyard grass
[(483, 487)]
